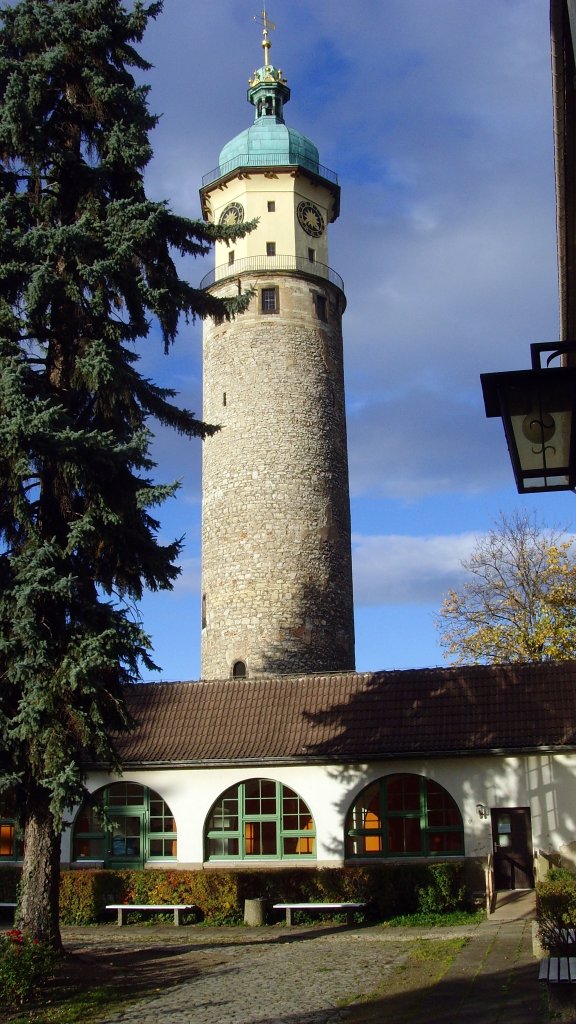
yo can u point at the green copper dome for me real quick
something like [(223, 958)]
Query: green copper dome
[(268, 141)]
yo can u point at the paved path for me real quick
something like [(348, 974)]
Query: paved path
[(311, 975)]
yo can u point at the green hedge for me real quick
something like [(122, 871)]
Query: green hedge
[(556, 909), (388, 890)]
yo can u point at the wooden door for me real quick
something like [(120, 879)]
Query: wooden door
[(512, 840)]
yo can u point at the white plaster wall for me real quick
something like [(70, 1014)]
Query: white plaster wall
[(282, 227), (545, 783)]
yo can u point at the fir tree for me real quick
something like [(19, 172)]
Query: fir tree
[(86, 266)]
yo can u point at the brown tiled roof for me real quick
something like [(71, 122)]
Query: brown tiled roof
[(353, 716)]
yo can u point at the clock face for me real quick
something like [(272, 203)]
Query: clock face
[(310, 219), (231, 215)]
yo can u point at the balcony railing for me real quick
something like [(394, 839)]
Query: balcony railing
[(271, 264), (268, 160)]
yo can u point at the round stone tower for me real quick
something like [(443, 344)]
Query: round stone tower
[(276, 551)]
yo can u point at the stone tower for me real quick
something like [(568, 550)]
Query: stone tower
[(276, 551)]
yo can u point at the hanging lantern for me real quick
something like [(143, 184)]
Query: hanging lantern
[(537, 410)]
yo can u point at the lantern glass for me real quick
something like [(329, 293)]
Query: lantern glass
[(540, 424)]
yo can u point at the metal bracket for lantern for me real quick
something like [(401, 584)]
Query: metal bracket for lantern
[(537, 410)]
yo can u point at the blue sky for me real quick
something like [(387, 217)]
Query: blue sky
[(437, 116)]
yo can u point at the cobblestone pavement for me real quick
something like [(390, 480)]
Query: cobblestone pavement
[(264, 976)]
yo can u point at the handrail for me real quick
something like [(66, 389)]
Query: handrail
[(271, 264), (269, 160)]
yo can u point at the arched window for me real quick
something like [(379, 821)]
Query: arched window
[(142, 827), (239, 670), (260, 820), (404, 816)]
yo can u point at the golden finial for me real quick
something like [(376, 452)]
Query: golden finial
[(267, 26)]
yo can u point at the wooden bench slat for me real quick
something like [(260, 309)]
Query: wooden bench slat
[(553, 969), (543, 974), (558, 970)]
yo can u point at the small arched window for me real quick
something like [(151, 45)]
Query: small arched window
[(239, 670), (260, 820), (404, 816)]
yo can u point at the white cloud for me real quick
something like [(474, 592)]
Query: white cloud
[(399, 569)]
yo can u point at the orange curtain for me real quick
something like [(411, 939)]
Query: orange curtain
[(6, 840), (250, 837), (372, 844)]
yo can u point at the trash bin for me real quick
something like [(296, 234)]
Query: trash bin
[(255, 912)]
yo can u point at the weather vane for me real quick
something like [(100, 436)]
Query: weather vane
[(267, 26)]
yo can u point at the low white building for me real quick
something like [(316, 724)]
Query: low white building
[(475, 764)]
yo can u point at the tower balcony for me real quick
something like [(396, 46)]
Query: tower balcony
[(272, 265), (244, 161)]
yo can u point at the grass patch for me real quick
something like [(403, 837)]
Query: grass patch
[(401, 992), (452, 920), (437, 951), (77, 1009)]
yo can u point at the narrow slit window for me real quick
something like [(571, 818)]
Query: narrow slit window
[(231, 256)]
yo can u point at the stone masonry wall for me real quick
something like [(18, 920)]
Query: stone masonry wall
[(276, 549)]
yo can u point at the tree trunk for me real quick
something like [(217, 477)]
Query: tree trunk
[(38, 905)]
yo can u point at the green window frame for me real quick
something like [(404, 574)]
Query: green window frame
[(142, 827), (260, 819), (401, 816)]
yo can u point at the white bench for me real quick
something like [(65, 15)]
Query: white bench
[(178, 909), (558, 970), (348, 908)]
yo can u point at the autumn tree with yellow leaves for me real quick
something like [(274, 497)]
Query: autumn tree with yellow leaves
[(518, 602)]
